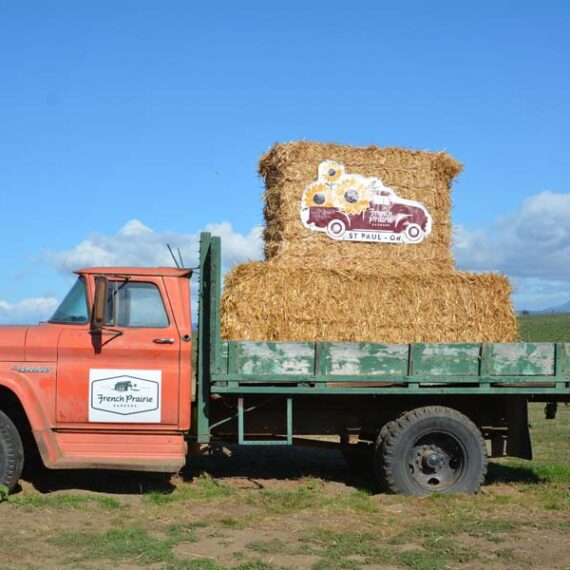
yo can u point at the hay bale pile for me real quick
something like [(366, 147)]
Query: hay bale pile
[(314, 288)]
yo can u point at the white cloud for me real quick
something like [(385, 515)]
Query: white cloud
[(531, 245), (133, 245), (27, 311), (237, 248), (138, 245), (533, 241)]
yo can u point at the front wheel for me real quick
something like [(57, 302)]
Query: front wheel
[(414, 233), (11, 453), (431, 450)]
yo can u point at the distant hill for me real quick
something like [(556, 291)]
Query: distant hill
[(565, 308)]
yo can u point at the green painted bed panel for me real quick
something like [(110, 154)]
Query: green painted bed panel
[(267, 358), (361, 361), (446, 359), (365, 359), (521, 359)]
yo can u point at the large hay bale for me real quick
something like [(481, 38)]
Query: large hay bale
[(270, 301), (415, 175)]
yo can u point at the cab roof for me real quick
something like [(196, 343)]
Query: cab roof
[(142, 271)]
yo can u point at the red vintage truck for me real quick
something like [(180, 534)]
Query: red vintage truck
[(385, 218), (107, 383)]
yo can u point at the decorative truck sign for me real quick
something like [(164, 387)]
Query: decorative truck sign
[(352, 207)]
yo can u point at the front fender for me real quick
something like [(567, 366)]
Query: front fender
[(26, 392)]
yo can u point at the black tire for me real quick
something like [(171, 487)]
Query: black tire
[(11, 453), (430, 450)]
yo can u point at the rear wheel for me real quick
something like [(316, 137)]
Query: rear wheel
[(336, 229), (11, 453), (431, 450)]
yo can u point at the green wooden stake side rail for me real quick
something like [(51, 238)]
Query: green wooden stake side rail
[(540, 370)]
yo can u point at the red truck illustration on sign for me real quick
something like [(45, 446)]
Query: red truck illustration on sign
[(352, 207)]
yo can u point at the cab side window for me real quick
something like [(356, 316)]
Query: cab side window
[(134, 304)]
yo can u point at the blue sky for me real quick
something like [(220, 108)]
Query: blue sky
[(158, 112)]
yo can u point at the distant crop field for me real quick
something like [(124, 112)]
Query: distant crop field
[(552, 327)]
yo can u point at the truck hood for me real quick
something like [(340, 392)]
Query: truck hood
[(13, 343), (33, 343)]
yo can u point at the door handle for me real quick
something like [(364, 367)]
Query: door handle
[(163, 341)]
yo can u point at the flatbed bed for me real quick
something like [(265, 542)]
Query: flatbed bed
[(285, 389)]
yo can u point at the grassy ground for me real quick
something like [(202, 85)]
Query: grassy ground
[(274, 508), (279, 508)]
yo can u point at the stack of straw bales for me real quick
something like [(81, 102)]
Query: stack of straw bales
[(314, 288)]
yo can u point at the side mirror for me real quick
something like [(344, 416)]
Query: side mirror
[(99, 302)]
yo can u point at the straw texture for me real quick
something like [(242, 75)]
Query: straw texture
[(416, 175), (267, 301)]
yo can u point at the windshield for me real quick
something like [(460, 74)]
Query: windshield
[(73, 309)]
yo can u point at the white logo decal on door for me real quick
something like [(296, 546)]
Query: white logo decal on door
[(126, 396)]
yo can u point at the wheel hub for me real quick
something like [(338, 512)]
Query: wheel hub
[(433, 460), (436, 463)]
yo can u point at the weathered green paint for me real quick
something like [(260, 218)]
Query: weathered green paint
[(364, 359), (396, 391), (267, 358), (485, 363), (449, 363), (446, 359), (212, 359), (385, 380), (215, 260), (522, 359), (322, 350), (203, 372)]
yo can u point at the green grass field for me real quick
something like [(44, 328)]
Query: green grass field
[(545, 328), (276, 508)]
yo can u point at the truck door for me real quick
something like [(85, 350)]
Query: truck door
[(129, 374)]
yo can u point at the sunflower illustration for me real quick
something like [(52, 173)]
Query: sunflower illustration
[(330, 171), (317, 195), (351, 196)]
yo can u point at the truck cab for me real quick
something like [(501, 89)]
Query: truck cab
[(110, 394)]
